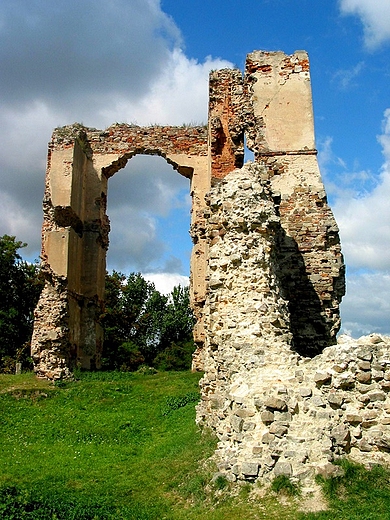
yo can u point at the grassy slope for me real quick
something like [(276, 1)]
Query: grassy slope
[(125, 441)]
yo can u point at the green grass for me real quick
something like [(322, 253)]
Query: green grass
[(282, 484), (125, 446), (358, 495)]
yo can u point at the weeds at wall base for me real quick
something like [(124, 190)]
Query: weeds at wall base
[(282, 484)]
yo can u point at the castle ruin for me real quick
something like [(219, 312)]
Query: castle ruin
[(267, 273)]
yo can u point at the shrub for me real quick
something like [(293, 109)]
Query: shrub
[(178, 356)]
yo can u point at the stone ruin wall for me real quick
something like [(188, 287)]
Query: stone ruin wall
[(67, 331), (275, 411), (267, 275)]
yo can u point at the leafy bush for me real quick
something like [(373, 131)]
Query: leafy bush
[(178, 356), (131, 356)]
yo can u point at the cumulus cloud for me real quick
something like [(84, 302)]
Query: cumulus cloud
[(375, 16), (117, 60), (167, 102), (147, 190), (360, 315), (363, 216), (57, 50), (165, 282), (342, 182), (365, 219)]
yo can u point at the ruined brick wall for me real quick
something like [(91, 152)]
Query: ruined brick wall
[(272, 106), (226, 129), (267, 275), (67, 331)]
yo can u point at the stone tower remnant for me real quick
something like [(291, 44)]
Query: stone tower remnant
[(267, 274)]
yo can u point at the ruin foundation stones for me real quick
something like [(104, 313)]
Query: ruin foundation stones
[(267, 275)]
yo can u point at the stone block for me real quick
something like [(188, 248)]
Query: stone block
[(364, 354), (237, 423), (317, 401), (335, 400), (383, 443), (364, 445), (278, 429), (353, 418), (305, 392), (248, 426), (377, 375), (339, 368), (283, 417), (268, 461), (322, 378), (267, 438), (364, 377), (275, 403), (341, 436), (283, 468), (250, 469), (364, 365), (293, 406), (377, 396), (365, 389), (267, 416), (385, 385)]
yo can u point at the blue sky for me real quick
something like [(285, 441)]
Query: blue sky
[(146, 62)]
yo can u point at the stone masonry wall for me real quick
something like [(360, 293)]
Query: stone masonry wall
[(272, 106), (275, 411), (75, 231), (267, 275)]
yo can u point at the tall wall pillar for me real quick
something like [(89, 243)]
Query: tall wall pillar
[(67, 333), (310, 261)]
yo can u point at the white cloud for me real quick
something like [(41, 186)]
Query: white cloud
[(147, 189), (341, 181), (179, 95), (112, 61), (366, 306), (375, 16), (365, 220), (165, 282), (59, 52), (16, 221), (345, 78)]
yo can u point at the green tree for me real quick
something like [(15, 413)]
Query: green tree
[(178, 319), (131, 320), (176, 344), (20, 287), (140, 324)]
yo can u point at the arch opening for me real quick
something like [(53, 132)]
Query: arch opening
[(149, 210)]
